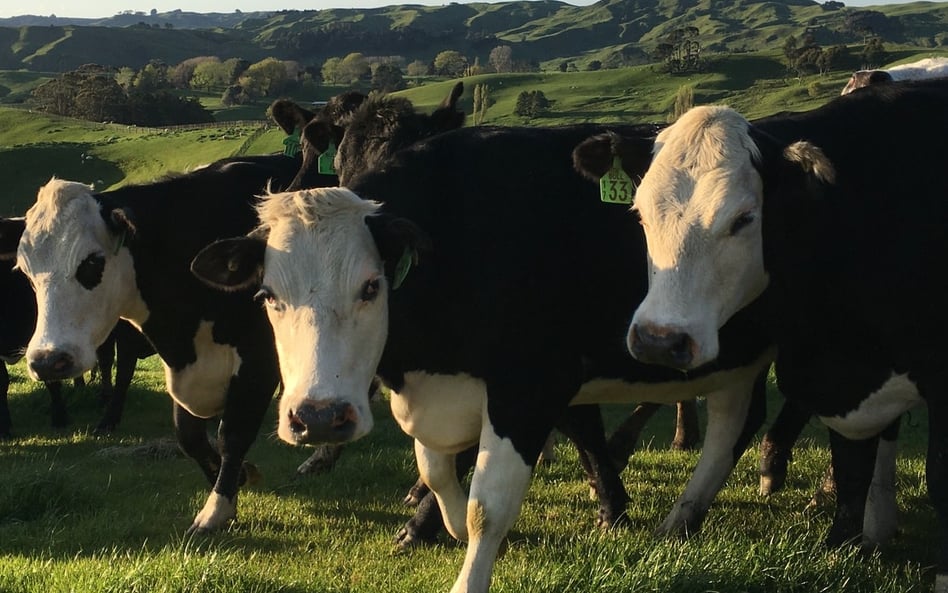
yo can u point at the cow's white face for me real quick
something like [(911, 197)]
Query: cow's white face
[(326, 296), (700, 205), (84, 281)]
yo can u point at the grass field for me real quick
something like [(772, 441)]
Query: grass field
[(85, 514)]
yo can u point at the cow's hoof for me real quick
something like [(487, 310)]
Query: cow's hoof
[(608, 521), (218, 512), (408, 539)]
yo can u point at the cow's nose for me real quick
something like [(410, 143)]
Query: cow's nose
[(52, 365), (664, 346), (332, 421)]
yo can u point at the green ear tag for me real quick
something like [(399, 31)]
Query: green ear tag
[(121, 242), (616, 187), (402, 268), (325, 163), (291, 144)]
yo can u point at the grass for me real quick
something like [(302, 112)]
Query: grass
[(80, 513)]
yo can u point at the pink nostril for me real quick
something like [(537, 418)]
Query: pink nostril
[(348, 415)]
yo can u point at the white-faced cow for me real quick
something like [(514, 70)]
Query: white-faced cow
[(836, 217), (488, 298), (96, 257), (936, 67)]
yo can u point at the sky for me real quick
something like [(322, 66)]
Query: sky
[(104, 8)]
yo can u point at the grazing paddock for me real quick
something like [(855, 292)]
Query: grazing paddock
[(87, 514)]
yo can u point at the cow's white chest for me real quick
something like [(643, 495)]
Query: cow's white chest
[(877, 411), (201, 387), (444, 412)]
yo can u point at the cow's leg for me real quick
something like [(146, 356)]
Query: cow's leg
[(439, 471), (424, 526), (583, 426), (5, 422), (501, 478), (105, 357), (853, 466), (936, 475), (776, 448), (625, 437), (418, 491), (322, 460), (57, 409), (881, 520), (191, 433), (687, 433), (126, 359), (734, 415), (247, 401)]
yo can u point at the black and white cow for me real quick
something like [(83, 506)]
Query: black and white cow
[(488, 298), (836, 217), (936, 67), (96, 257), (17, 320)]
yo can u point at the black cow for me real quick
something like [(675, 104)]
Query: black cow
[(97, 257), (489, 290), (836, 217)]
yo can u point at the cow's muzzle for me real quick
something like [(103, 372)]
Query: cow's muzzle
[(53, 365), (660, 345), (330, 421)]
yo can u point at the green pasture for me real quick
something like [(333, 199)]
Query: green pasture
[(80, 513)]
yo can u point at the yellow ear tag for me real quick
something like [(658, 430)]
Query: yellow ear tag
[(324, 163), (403, 267), (615, 187)]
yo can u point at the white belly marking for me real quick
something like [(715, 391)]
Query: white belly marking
[(877, 411), (443, 412), (201, 387)]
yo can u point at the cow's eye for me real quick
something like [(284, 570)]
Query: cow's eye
[(370, 290), (266, 297), (89, 272), (741, 221)]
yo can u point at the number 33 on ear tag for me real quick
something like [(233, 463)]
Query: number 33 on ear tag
[(615, 187)]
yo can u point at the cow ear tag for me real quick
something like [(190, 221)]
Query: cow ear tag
[(403, 267), (615, 187), (325, 162), (121, 242), (291, 144)]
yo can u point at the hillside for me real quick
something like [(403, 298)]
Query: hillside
[(625, 32)]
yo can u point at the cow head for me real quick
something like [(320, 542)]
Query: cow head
[(385, 124), (701, 207), (319, 260), (73, 251), (863, 78)]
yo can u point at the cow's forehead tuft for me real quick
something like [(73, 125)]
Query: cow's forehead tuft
[(310, 207), (56, 201)]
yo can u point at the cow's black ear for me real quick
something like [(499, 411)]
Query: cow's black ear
[(289, 116), (400, 242), (319, 134), (813, 162), (10, 231), (447, 116), (593, 157), (231, 264)]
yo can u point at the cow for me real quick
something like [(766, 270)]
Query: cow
[(94, 258), (489, 300), (936, 67), (18, 317), (834, 217)]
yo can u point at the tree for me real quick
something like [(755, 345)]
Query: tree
[(481, 102), (450, 63), (873, 54), (594, 65), (265, 78), (418, 68), (353, 68), (501, 58), (388, 77), (531, 104), (684, 100), (330, 70)]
